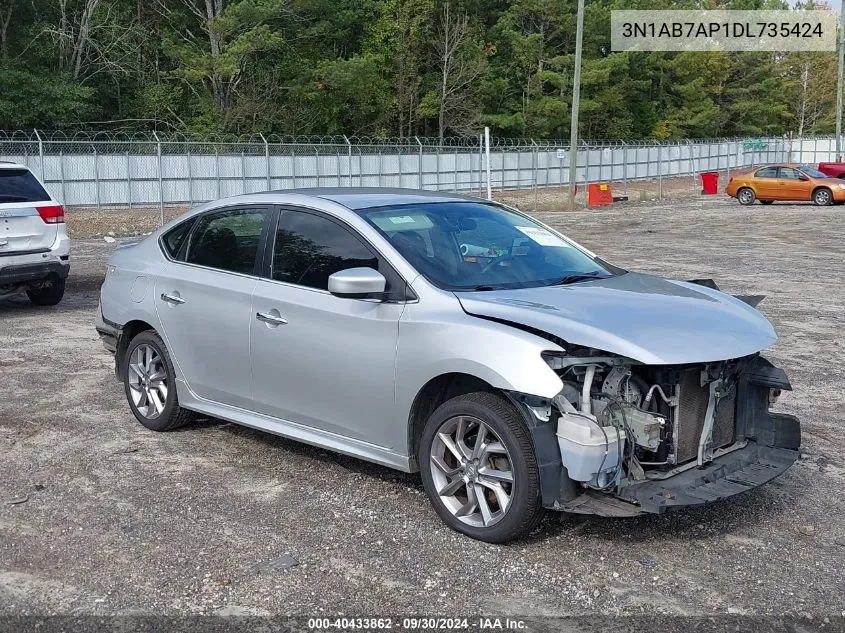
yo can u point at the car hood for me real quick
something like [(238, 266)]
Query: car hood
[(646, 318)]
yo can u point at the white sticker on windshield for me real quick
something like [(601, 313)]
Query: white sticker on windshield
[(541, 236), (402, 219)]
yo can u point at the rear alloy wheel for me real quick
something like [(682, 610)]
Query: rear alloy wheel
[(48, 293), (149, 382), (479, 469), (822, 197), (745, 196)]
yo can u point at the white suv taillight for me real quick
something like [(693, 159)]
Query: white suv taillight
[(52, 214)]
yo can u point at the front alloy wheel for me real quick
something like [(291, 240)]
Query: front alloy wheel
[(471, 469), (479, 467), (822, 197)]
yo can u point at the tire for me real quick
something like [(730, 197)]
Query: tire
[(48, 295), (822, 197), (149, 356), (505, 432), (746, 196), (766, 201)]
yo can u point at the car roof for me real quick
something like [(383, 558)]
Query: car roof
[(7, 164), (357, 198)]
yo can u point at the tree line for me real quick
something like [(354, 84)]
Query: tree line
[(388, 68)]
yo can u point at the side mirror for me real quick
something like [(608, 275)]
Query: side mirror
[(357, 283)]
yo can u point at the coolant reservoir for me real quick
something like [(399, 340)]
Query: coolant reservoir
[(586, 448)]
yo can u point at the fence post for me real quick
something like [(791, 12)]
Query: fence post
[(317, 165), (267, 161), (421, 162), (534, 161), (437, 168), (62, 175), (190, 176), (243, 172), (456, 170), (348, 161), (128, 180), (293, 166), (96, 177), (41, 154), (160, 179), (625, 166), (487, 154), (217, 168), (660, 171)]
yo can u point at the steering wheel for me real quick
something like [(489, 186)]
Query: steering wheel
[(497, 261)]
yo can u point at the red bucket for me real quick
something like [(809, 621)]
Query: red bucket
[(710, 183)]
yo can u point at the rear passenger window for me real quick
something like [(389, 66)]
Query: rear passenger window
[(18, 185), (228, 240), (767, 172), (175, 237)]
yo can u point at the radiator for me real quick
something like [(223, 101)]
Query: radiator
[(692, 409)]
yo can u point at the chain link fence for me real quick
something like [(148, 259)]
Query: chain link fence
[(97, 169)]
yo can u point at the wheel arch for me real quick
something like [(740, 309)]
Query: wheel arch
[(817, 187), (430, 396), (129, 331)]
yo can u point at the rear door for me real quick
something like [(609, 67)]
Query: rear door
[(203, 296), (22, 230), (766, 183)]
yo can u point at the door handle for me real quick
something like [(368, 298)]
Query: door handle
[(272, 319), (172, 299)]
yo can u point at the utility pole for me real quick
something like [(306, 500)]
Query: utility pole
[(839, 83), (576, 97)]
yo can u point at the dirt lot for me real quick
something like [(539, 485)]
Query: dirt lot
[(217, 518)]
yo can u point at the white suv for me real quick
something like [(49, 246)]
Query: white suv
[(34, 246)]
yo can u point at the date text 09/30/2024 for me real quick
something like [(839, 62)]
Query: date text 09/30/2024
[(416, 624)]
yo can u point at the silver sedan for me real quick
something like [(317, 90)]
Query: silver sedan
[(431, 332)]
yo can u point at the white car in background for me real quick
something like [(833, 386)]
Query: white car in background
[(34, 245)]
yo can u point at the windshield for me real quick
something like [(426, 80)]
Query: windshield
[(479, 246), (812, 172)]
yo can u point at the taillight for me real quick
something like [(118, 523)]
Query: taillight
[(53, 214)]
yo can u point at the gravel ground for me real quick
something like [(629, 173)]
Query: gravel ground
[(100, 516)]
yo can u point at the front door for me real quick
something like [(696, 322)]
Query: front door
[(317, 359), (791, 186), (203, 302)]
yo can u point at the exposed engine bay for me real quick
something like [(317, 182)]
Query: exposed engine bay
[(619, 422)]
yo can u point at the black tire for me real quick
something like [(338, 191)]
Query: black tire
[(822, 197), (525, 509), (766, 201), (49, 294), (746, 196), (172, 416)]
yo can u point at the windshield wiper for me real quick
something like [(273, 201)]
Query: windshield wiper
[(478, 288), (571, 279)]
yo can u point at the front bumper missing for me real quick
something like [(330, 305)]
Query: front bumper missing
[(726, 476), (765, 445)]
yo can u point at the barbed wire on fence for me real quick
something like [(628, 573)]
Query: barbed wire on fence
[(130, 137), (100, 168)]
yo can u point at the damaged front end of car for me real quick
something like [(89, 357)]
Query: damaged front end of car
[(624, 437)]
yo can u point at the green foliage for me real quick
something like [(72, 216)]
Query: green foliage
[(375, 67), (29, 100)]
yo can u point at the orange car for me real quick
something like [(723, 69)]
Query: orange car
[(786, 182)]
